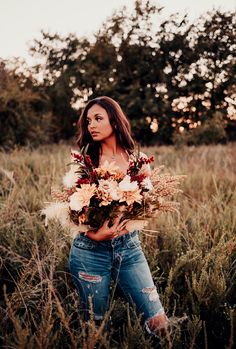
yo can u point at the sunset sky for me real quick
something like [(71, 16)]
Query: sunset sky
[(22, 20)]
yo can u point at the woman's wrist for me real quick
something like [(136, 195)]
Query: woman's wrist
[(91, 234)]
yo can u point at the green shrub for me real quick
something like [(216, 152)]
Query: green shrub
[(24, 118)]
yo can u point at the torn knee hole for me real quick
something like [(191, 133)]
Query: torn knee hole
[(90, 277), (152, 292)]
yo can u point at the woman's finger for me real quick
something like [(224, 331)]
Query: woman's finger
[(112, 236), (116, 221), (106, 223), (122, 224), (122, 232)]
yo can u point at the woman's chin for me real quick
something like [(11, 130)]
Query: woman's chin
[(97, 138)]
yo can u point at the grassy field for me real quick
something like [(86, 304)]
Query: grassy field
[(192, 256)]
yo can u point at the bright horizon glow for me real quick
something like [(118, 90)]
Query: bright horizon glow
[(21, 21)]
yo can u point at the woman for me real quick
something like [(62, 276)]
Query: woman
[(112, 252)]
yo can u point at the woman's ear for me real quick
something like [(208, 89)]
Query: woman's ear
[(114, 126)]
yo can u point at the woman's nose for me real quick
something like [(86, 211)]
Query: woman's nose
[(92, 124)]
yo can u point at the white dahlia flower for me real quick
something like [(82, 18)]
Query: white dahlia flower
[(82, 196)]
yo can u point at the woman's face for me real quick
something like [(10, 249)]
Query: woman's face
[(98, 123)]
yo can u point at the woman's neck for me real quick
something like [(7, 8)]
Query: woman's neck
[(110, 147), (113, 152)]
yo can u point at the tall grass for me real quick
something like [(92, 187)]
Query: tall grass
[(191, 256)]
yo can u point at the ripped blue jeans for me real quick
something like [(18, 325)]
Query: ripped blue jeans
[(93, 265)]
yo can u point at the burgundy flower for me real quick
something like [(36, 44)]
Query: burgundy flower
[(88, 161), (138, 178), (77, 156), (83, 181)]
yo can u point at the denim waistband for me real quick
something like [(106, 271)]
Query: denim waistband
[(119, 239)]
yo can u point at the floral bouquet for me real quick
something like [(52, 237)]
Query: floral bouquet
[(92, 194)]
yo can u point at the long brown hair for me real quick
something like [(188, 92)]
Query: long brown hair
[(119, 124)]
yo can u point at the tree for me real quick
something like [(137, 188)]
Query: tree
[(24, 118), (169, 75)]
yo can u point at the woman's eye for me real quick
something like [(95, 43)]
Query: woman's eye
[(98, 119)]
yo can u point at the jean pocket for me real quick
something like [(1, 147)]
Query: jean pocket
[(83, 242), (133, 242)]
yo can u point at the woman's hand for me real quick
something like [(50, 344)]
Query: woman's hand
[(109, 233)]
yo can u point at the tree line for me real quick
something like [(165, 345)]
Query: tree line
[(175, 80)]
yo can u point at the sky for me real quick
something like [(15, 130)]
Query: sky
[(22, 20)]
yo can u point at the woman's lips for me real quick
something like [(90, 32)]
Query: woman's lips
[(94, 133)]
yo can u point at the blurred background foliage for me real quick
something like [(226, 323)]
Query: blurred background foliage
[(174, 79)]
